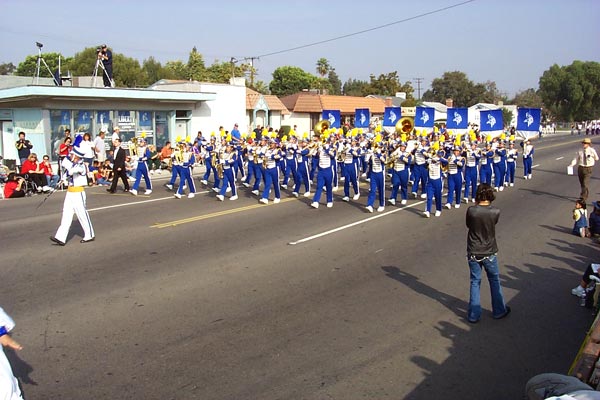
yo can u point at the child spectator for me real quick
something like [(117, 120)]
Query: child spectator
[(103, 176), (580, 217), (93, 173), (47, 168)]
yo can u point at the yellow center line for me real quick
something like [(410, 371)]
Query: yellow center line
[(215, 214)]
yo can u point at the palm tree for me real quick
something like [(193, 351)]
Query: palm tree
[(323, 66)]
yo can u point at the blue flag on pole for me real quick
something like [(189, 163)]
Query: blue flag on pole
[(391, 116), (362, 118), (424, 117), (457, 118), (491, 120), (333, 116), (529, 119)]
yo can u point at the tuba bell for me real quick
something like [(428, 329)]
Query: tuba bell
[(405, 125), (133, 151), (321, 126)]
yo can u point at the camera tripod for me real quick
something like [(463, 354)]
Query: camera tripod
[(40, 60), (99, 64)]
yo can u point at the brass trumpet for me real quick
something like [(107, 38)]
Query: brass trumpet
[(405, 125), (321, 126)]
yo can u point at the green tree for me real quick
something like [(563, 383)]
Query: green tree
[(572, 93), (153, 69), (260, 87), (527, 98), (288, 80), (28, 67), (454, 85), (385, 84), (334, 82), (221, 72), (355, 87), (7, 68), (323, 67), (196, 70), (127, 72), (84, 62), (507, 116), (175, 70)]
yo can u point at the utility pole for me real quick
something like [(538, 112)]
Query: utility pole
[(418, 80), (252, 72)]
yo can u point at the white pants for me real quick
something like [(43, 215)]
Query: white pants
[(74, 204)]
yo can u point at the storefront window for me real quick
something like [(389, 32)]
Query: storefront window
[(161, 121), (59, 121), (126, 123), (145, 126), (82, 120)]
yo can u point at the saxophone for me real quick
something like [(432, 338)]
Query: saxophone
[(218, 165)]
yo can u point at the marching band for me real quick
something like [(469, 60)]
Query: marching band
[(429, 164)]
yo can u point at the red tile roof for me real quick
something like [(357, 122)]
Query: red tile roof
[(273, 102), (307, 102)]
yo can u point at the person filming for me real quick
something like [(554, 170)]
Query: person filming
[(105, 55)]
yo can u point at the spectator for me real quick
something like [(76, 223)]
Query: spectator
[(592, 269), (103, 177), (93, 173), (130, 167), (63, 151), (235, 133), (165, 154), (594, 220), (31, 170), (13, 188), (107, 170), (24, 147), (87, 147), (51, 177), (581, 219), (100, 147), (154, 161)]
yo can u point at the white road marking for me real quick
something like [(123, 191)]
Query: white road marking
[(536, 165), (137, 202), (559, 158), (341, 228)]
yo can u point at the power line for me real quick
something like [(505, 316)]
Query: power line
[(367, 30), (419, 80)]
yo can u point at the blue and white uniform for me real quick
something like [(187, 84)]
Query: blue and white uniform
[(527, 159), (273, 155), (434, 182), (499, 164), (183, 170), (75, 200), (420, 168), (325, 156), (351, 168), (228, 161), (472, 160), (400, 173), (291, 164), (485, 165), (9, 386), (142, 169), (377, 178), (302, 170), (511, 164), (455, 167), (259, 168)]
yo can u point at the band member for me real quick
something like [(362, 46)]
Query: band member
[(511, 163), (75, 171), (250, 147), (499, 165), (239, 159), (302, 173), (455, 166), (420, 168), (325, 154), (472, 160), (210, 150), (291, 164), (259, 158), (434, 183), (182, 166), (377, 160), (119, 170), (400, 173), (229, 161), (314, 158), (9, 385), (485, 167), (143, 155), (351, 157), (273, 155), (527, 158)]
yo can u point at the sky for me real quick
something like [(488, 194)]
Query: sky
[(511, 42)]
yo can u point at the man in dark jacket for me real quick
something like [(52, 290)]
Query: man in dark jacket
[(481, 253), (119, 168)]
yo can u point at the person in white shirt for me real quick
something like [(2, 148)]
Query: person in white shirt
[(585, 160), (100, 147)]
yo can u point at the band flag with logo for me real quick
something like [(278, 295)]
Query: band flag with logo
[(391, 116), (528, 122), (457, 118), (424, 117), (333, 116), (491, 121), (362, 118)]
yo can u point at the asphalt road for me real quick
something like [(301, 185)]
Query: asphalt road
[(201, 299)]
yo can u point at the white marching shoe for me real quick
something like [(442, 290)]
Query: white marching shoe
[(295, 194), (424, 195), (329, 205), (307, 194), (204, 182), (220, 197), (314, 204), (234, 197), (133, 192), (177, 195), (169, 186), (380, 208), (255, 192), (264, 201), (438, 213), (276, 200), (426, 214), (191, 195), (392, 202), (369, 209), (403, 202), (345, 198), (356, 196), (457, 206), (148, 191), (448, 206)]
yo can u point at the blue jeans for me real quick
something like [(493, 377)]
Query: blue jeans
[(490, 263)]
